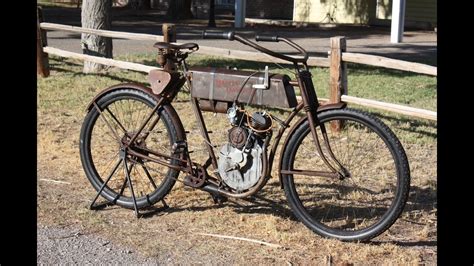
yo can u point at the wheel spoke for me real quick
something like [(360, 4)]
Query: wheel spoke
[(116, 120), (107, 123)]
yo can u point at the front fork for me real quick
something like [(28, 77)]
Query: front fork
[(310, 106)]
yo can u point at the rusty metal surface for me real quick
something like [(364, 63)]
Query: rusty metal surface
[(293, 59), (203, 129), (166, 45), (321, 108), (294, 83), (165, 83), (331, 106), (282, 130), (214, 106), (158, 80), (237, 136), (309, 173), (224, 85)]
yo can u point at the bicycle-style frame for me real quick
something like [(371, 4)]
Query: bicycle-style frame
[(181, 159)]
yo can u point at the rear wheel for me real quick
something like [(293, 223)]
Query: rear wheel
[(121, 114), (366, 202)]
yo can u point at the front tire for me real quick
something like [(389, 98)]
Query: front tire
[(359, 207)]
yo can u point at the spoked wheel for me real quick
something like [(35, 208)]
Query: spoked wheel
[(364, 201), (111, 124)]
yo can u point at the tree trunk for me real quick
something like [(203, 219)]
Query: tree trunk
[(179, 9), (96, 15), (187, 9), (212, 17), (145, 4)]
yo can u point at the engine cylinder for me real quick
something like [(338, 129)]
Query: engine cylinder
[(260, 121)]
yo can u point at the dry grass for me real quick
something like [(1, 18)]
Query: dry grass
[(171, 235)]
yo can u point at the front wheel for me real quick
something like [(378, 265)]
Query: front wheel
[(371, 195)]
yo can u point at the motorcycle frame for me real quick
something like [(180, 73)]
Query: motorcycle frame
[(309, 104)]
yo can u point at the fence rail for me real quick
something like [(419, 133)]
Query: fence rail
[(100, 60), (401, 109), (336, 62), (380, 61), (104, 33)]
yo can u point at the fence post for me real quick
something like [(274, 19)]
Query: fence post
[(42, 61), (169, 35), (337, 75)]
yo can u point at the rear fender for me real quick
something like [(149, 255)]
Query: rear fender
[(134, 86)]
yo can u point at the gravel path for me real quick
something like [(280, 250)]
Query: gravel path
[(69, 245)]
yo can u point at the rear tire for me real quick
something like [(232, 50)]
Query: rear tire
[(359, 207)]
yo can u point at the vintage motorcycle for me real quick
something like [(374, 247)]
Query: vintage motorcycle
[(344, 172)]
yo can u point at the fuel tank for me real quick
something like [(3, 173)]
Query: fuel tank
[(220, 86)]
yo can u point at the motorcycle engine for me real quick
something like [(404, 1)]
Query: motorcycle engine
[(240, 160)]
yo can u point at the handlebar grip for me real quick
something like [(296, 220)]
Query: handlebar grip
[(226, 35), (264, 38)]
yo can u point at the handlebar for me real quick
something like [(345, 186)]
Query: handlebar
[(260, 38), (230, 35)]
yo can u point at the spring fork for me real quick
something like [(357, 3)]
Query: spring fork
[(311, 119), (345, 172)]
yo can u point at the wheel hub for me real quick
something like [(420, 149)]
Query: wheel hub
[(139, 143)]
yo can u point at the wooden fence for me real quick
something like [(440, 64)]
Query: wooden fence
[(336, 62)]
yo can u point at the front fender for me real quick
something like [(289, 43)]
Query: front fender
[(321, 108)]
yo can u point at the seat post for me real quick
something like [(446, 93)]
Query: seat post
[(169, 36)]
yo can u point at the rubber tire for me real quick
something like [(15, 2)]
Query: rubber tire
[(401, 162), (167, 111)]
